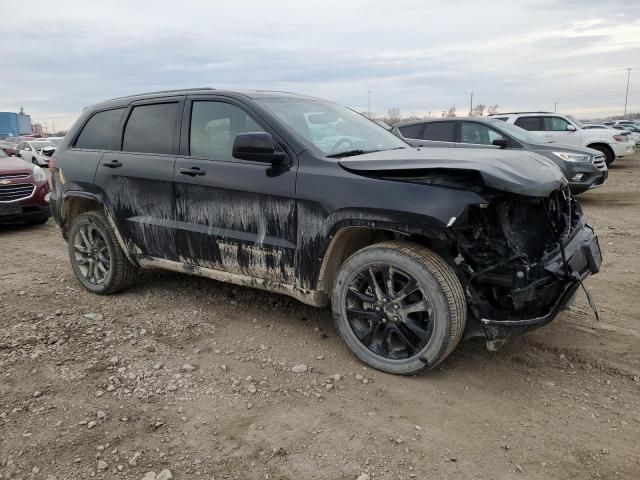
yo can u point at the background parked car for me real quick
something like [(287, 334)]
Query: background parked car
[(629, 129), (32, 151), (55, 140), (9, 148), (565, 129), (584, 168), (24, 192)]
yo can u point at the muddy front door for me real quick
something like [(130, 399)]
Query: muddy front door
[(233, 215)]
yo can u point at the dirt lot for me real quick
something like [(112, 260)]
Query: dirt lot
[(194, 376)]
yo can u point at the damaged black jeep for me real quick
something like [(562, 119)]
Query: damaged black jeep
[(414, 248)]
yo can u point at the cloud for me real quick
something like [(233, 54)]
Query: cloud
[(416, 55)]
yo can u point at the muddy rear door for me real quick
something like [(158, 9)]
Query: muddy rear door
[(233, 215), (138, 176)]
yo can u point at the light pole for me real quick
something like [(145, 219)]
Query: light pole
[(555, 106), (369, 103), (626, 97)]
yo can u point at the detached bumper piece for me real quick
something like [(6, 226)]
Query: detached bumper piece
[(582, 257)]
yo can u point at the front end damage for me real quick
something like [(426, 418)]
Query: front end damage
[(521, 260)]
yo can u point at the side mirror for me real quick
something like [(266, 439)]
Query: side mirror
[(571, 128), (501, 142), (258, 147)]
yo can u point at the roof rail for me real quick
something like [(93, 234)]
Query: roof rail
[(514, 113), (175, 90)]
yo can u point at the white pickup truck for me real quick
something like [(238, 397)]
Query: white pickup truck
[(566, 130)]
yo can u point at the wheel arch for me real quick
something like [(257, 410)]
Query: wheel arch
[(347, 238), (604, 145), (77, 202)]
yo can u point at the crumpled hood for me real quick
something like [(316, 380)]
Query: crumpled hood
[(521, 172)]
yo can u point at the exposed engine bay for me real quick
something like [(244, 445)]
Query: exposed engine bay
[(508, 251)]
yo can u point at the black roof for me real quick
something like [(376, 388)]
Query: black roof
[(205, 90)]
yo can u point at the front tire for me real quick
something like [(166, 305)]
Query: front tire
[(96, 257), (399, 307)]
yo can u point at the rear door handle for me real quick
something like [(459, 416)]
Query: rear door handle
[(192, 172), (113, 164)]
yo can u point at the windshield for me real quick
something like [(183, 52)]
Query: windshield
[(578, 123), (39, 145), (518, 133), (2, 154), (334, 129)]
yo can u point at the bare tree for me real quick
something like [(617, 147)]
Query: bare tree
[(452, 112), (393, 116), (478, 110), (492, 109)]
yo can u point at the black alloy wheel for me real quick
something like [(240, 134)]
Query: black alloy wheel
[(389, 312)]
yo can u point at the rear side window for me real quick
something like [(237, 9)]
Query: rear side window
[(439, 131), (530, 123), (98, 133), (412, 131), (555, 124), (151, 128)]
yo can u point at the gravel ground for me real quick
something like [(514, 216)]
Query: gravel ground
[(193, 379)]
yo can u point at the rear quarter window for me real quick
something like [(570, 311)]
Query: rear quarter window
[(98, 132)]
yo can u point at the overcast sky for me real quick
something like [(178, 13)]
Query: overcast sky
[(417, 55)]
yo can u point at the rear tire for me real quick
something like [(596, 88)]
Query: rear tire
[(386, 327), (96, 257), (609, 156)]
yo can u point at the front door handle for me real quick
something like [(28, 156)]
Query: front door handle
[(113, 164), (192, 172)]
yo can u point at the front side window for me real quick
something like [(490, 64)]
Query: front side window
[(555, 124), (98, 133), (412, 131), (440, 131), (333, 129), (151, 129), (477, 133), (214, 126), (533, 124)]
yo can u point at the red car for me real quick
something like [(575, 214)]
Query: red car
[(24, 192)]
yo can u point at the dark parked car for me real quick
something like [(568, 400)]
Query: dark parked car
[(584, 168), (413, 248), (24, 192)]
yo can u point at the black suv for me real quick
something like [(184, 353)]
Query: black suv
[(585, 168), (413, 248)]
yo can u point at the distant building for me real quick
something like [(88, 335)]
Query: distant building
[(37, 129), (15, 124)]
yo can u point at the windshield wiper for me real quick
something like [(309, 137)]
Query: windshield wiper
[(350, 153)]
